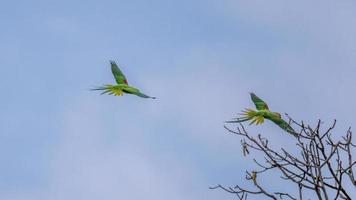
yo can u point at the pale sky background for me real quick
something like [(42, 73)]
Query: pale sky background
[(199, 58)]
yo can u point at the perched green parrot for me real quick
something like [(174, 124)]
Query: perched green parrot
[(263, 112), (122, 86)]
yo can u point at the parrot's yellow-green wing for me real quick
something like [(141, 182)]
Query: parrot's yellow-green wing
[(118, 75), (259, 103), (249, 114), (115, 90)]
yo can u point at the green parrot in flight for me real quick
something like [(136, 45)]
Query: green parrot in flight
[(122, 85), (263, 112)]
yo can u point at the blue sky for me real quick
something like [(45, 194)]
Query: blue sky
[(199, 58)]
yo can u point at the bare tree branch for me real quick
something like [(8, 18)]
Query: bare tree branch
[(320, 167)]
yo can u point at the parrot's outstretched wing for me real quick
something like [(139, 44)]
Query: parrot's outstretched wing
[(284, 125), (249, 114), (259, 103), (110, 89), (118, 75)]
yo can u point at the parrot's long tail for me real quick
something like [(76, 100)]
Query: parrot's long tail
[(110, 90), (238, 120), (290, 130), (295, 134), (143, 95)]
